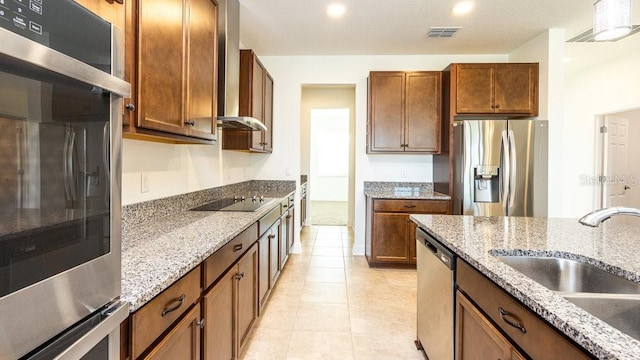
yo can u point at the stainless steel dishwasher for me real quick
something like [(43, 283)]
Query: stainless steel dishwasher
[(436, 281)]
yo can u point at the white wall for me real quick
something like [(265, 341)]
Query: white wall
[(179, 169), (291, 72), (601, 78), (548, 49)]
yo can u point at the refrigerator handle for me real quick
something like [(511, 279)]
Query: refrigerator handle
[(512, 174), (506, 162)]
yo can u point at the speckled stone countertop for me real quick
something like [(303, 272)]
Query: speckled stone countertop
[(402, 190), (158, 252), (614, 248)]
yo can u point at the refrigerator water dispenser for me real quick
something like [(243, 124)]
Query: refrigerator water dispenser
[(486, 184)]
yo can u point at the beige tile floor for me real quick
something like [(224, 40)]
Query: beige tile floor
[(329, 304)]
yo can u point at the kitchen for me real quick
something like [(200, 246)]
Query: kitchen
[(178, 169)]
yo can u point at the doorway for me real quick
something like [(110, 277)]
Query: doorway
[(328, 155), (618, 184)]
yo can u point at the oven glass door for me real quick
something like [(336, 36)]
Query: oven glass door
[(54, 174)]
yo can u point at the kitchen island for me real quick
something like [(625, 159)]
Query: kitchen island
[(611, 247)]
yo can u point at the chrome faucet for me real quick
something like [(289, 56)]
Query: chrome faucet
[(595, 217)]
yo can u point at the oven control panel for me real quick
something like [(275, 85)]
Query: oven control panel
[(24, 17)]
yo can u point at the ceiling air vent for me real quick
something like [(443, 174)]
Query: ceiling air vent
[(587, 35), (442, 32)]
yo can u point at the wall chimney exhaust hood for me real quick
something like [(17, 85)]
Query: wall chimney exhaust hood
[(229, 70)]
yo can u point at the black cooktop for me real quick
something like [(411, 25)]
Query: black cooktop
[(234, 204)]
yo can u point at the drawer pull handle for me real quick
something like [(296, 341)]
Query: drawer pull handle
[(271, 236), (237, 247), (409, 206), (175, 307), (284, 206), (505, 315), (239, 276)]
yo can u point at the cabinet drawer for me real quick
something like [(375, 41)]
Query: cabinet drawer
[(221, 260), (540, 341), (412, 206), (150, 321), (268, 220)]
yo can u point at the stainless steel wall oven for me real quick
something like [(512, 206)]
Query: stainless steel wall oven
[(61, 90)]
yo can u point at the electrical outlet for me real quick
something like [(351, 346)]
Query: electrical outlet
[(403, 174), (145, 183), (287, 172)]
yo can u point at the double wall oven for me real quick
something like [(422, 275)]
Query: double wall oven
[(61, 93)]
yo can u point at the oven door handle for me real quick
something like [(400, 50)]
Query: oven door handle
[(109, 324)]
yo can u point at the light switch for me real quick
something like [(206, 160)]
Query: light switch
[(145, 183)]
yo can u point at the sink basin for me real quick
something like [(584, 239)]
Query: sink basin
[(566, 275), (620, 311)]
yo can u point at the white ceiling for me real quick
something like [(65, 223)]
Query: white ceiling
[(399, 27)]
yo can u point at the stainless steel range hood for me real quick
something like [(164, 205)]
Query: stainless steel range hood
[(229, 70)]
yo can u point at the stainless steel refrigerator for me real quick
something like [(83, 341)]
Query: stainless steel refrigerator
[(500, 167)]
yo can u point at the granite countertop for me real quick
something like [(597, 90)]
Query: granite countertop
[(157, 253), (612, 247), (402, 190)]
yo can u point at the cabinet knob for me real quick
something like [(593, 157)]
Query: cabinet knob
[(497, 106), (200, 323), (190, 122), (493, 106), (130, 107)]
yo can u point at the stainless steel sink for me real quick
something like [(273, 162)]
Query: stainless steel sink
[(620, 311), (609, 297), (566, 275)]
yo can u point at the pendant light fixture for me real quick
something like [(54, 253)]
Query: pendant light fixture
[(611, 19)]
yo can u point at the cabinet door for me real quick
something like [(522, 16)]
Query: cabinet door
[(389, 237), (411, 240), (268, 112), (386, 112), (202, 68), (247, 295), (263, 268), (161, 65), (183, 341), (476, 337), (257, 102), (423, 111), (284, 234), (516, 89), (219, 311), (290, 229), (274, 254), (475, 88)]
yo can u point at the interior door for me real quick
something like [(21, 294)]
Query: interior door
[(614, 183)]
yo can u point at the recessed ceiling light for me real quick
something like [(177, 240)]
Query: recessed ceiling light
[(463, 8), (336, 10)]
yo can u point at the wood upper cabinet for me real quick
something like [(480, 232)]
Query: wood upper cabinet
[(507, 88), (391, 235), (171, 62), (256, 100), (476, 337), (404, 112)]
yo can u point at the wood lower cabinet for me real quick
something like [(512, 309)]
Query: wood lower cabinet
[(230, 308), (303, 204), (506, 88), (476, 337), (172, 67), (404, 112), (390, 234), (256, 100), (484, 309), (269, 265), (183, 342), (150, 321)]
